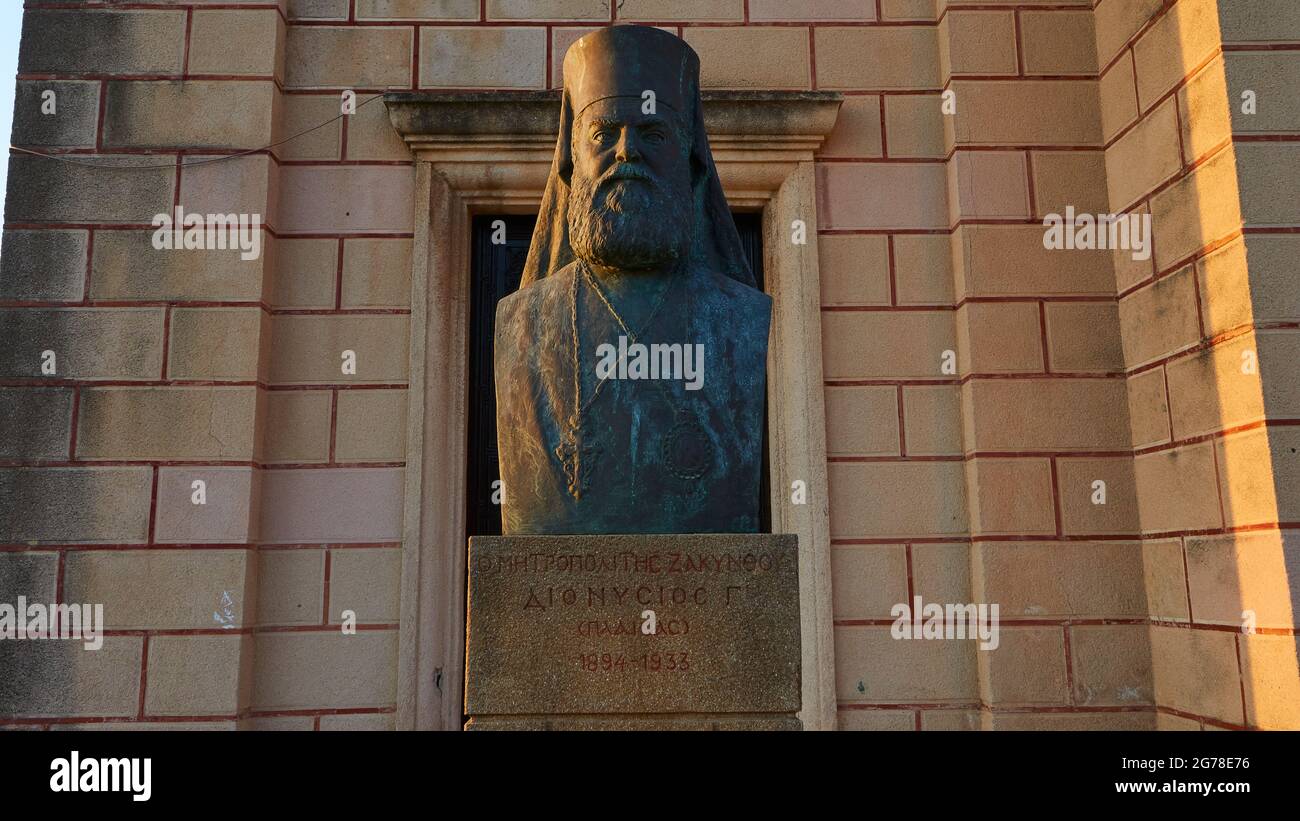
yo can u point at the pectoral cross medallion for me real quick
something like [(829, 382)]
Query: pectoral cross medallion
[(687, 451), (577, 460)]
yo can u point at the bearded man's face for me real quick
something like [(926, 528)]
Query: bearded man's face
[(631, 201)]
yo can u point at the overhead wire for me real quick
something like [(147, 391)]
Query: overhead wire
[(225, 157)]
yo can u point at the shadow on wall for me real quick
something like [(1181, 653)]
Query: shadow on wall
[(1205, 374), (1259, 461)]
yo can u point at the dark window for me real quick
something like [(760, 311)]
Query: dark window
[(495, 273)]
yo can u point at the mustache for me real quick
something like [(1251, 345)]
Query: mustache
[(627, 171)]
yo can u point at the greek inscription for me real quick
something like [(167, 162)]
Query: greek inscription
[(620, 627), (630, 562)]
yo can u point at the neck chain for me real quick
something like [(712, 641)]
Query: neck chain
[(570, 450), (584, 272)]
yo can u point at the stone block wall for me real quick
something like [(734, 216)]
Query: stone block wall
[(1210, 398), (977, 384)]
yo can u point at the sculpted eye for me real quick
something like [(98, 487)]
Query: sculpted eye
[(601, 135), (654, 137)]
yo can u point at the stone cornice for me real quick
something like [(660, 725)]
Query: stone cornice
[(497, 146), (428, 121)]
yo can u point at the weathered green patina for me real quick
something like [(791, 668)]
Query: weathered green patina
[(630, 367)]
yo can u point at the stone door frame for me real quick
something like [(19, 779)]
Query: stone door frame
[(490, 152)]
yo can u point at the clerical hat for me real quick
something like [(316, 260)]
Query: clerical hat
[(627, 61)]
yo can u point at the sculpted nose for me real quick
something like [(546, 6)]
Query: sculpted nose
[(627, 150)]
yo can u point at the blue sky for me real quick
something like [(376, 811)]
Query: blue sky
[(11, 24)]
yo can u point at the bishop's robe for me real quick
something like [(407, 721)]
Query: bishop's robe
[(644, 460)]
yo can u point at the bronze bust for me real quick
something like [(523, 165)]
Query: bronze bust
[(631, 364)]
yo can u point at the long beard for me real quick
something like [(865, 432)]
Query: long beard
[(630, 224)]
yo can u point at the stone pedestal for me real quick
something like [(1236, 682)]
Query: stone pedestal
[(633, 632)]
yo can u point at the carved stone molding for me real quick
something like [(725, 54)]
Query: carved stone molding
[(490, 152)]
